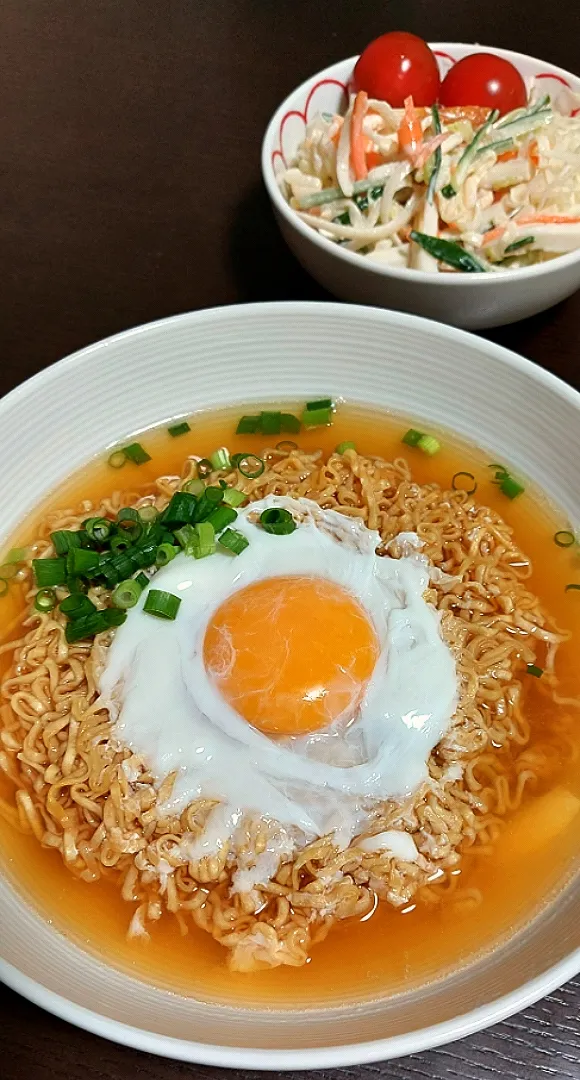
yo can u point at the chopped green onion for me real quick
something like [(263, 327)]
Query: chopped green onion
[(45, 600), (165, 554), (234, 497), (286, 446), (468, 491), (449, 252), (202, 543), (65, 539), (220, 459), (412, 437), (289, 423), (207, 502), (344, 218), (564, 538), (8, 570), (136, 453), (81, 561), (77, 606), (99, 529), (127, 593), (120, 543), (533, 669), (87, 627), (317, 417), (233, 541), (148, 514), (163, 605), (178, 429), (251, 466), (270, 423), (277, 521), (204, 467), (142, 580), (248, 425), (129, 523), (195, 486), (117, 459), (429, 445), (344, 446), (321, 403), (76, 584), (184, 535), (510, 487), (49, 572), (517, 244), (17, 555), (180, 509), (571, 587), (221, 517), (448, 191)]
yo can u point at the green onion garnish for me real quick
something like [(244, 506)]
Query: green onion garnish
[(472, 487), (277, 521), (564, 538), (220, 459), (248, 425), (289, 423), (8, 570), (510, 487), (99, 529), (142, 580), (517, 244), (344, 446), (204, 467), (65, 539), (572, 587), (234, 497), (286, 446), (165, 554), (318, 413), (49, 572), (178, 429), (117, 459), (195, 486), (184, 535), (221, 517), (81, 561), (533, 669), (270, 423), (429, 445), (233, 541), (136, 453), (448, 191), (94, 624), (120, 543), (45, 600), (148, 514), (206, 503), (127, 593), (129, 522), (251, 466), (163, 605), (17, 555), (320, 403), (180, 509), (77, 606), (412, 437), (202, 542)]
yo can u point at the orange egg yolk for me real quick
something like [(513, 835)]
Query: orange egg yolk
[(291, 654)]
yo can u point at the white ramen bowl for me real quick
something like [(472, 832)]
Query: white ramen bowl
[(470, 300), (268, 352)]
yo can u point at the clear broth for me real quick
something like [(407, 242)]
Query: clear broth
[(392, 951)]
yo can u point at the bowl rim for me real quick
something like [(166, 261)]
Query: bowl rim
[(348, 1054), (352, 258)]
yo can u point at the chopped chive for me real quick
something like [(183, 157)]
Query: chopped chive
[(165, 554), (221, 517), (220, 459), (117, 459), (233, 541), (321, 403), (204, 467), (270, 423), (277, 521), (163, 605), (180, 510), (564, 538), (148, 514), (65, 539), (317, 417), (136, 453), (286, 446), (344, 446), (468, 491), (572, 587), (533, 669), (87, 627), (49, 572), (234, 497), (120, 543), (184, 535), (248, 425), (207, 502), (75, 584), (202, 543), (429, 445), (289, 423), (98, 529), (517, 244), (45, 600), (195, 486), (77, 606), (510, 487), (251, 466), (142, 580), (412, 437), (127, 593), (448, 191), (81, 561), (178, 429)]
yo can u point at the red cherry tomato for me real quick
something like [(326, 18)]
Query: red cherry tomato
[(396, 66), (484, 79)]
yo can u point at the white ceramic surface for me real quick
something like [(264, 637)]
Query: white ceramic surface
[(525, 416), (469, 300)]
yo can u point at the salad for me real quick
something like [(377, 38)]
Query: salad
[(479, 173)]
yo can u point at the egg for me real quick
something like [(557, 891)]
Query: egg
[(303, 681)]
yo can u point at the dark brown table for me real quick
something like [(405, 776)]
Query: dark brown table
[(130, 189)]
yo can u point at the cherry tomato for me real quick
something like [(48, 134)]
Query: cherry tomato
[(484, 79), (396, 66)]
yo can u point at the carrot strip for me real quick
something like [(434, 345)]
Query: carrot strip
[(547, 219), (508, 156), (339, 121), (492, 234), (533, 154), (357, 139), (374, 159), (410, 130)]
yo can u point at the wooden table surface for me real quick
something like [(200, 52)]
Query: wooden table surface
[(130, 189)]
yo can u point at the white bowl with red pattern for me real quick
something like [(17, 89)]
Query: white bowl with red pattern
[(471, 300)]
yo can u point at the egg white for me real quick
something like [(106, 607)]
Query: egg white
[(167, 709)]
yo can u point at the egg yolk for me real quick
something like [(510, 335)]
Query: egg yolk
[(291, 654)]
